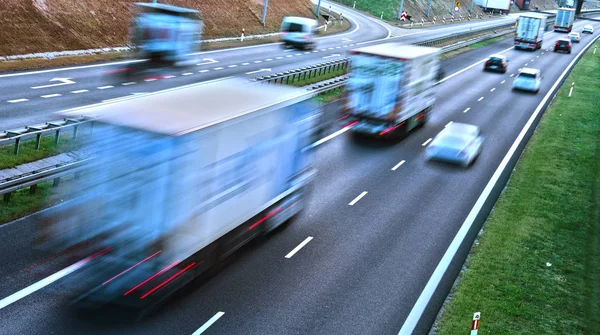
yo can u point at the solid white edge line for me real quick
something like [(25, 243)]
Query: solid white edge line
[(208, 323), (449, 123), (398, 165), (427, 142), (300, 246), (360, 196), (419, 307), (42, 283)]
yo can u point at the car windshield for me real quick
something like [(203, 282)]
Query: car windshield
[(563, 42), (526, 75), (495, 60), (454, 141), (573, 35), (294, 28)]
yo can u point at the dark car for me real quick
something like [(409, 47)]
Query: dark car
[(497, 63), (563, 44)]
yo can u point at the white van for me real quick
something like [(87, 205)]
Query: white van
[(298, 32)]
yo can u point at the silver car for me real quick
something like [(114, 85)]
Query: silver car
[(458, 143), (298, 32), (588, 29), (528, 80)]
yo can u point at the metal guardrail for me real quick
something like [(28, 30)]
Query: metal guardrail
[(31, 180), (19, 134), (309, 72)]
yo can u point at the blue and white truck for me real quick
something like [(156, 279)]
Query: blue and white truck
[(164, 33), (530, 31), (391, 88), (179, 180), (564, 20)]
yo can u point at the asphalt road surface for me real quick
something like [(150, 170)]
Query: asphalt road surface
[(366, 264)]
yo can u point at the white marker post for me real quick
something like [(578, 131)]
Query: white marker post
[(595, 49), (475, 324), (243, 34), (381, 17), (571, 90), (354, 4), (326, 24)]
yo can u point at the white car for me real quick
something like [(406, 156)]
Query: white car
[(528, 80), (575, 37), (588, 29), (458, 143)]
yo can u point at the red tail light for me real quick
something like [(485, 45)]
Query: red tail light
[(557, 44), (488, 61)]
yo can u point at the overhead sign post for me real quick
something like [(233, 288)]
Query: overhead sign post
[(429, 7)]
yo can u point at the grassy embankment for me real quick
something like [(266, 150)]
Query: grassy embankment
[(536, 267), (28, 153)]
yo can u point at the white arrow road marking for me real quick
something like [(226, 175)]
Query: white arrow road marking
[(206, 61), (257, 71), (334, 55), (63, 81)]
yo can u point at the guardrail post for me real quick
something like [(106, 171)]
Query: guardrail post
[(17, 145), (33, 189), (57, 136), (7, 196), (75, 128), (38, 141), (56, 182)]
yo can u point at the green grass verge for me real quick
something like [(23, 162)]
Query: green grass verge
[(488, 42), (22, 203), (27, 152), (375, 7), (549, 213), (329, 96)]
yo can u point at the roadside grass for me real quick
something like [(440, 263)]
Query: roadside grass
[(22, 203), (329, 96), (28, 153), (536, 266)]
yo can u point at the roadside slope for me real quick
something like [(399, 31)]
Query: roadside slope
[(30, 26)]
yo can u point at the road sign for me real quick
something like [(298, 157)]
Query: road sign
[(457, 4), (456, 9)]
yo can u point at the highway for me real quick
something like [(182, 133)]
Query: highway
[(373, 232), (31, 97)]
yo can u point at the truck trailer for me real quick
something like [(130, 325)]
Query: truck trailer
[(165, 34), (179, 180), (494, 5), (530, 31), (391, 88), (564, 20)]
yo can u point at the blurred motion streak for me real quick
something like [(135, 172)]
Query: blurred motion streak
[(195, 172)]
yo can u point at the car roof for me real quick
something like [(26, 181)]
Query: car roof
[(497, 56), (299, 20), (588, 26), (574, 33), (564, 39), (459, 129), (529, 70)]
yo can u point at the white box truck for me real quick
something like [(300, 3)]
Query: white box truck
[(180, 179), (491, 5), (564, 20), (530, 31), (391, 88)]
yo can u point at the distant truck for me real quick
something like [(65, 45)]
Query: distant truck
[(523, 4), (566, 3), (530, 31), (564, 20), (494, 5), (391, 88), (164, 33), (180, 179)]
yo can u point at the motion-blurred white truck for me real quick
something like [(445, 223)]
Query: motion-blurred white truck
[(391, 88), (564, 20), (165, 34), (180, 179), (530, 31)]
